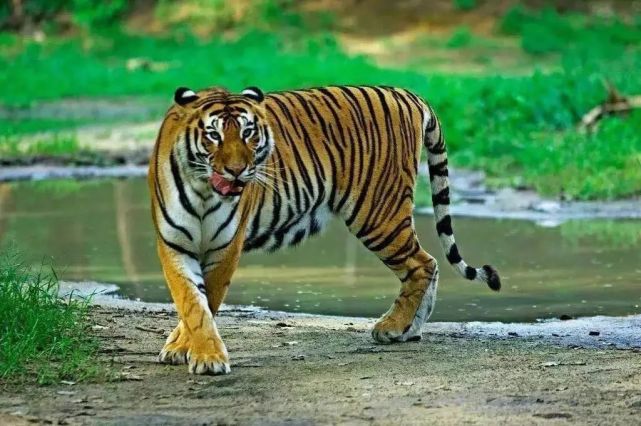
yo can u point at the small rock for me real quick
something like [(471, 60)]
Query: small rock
[(546, 206), (594, 333), (128, 376), (292, 343), (66, 393), (283, 325), (635, 404), (553, 415), (550, 364), (298, 358), (513, 334), (67, 382), (565, 317)]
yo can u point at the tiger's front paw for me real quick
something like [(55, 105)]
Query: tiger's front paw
[(211, 360), (176, 347), (389, 330)]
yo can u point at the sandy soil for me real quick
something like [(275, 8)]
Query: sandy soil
[(301, 369)]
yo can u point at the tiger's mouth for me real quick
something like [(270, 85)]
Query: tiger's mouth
[(226, 187)]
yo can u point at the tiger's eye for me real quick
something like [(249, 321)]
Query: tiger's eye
[(213, 136)]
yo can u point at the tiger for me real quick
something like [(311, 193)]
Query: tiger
[(234, 172)]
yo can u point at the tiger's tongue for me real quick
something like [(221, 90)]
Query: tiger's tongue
[(222, 185)]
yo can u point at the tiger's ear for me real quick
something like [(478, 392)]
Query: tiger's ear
[(254, 93), (184, 96)]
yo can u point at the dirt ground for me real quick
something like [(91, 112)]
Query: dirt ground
[(301, 369)]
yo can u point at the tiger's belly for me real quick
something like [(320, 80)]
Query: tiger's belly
[(271, 227), (271, 230)]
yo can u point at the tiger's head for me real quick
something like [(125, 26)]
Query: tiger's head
[(228, 138)]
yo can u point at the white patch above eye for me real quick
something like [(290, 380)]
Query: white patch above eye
[(188, 93), (215, 122)]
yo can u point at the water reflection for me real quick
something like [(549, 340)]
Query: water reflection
[(102, 231)]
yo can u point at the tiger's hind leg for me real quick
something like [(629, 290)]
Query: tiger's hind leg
[(396, 244), (418, 274)]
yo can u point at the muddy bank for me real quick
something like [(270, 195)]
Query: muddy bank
[(303, 369)]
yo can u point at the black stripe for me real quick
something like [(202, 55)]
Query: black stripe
[(330, 96), (443, 197), (438, 169), (178, 248), (215, 249), (212, 209), (470, 273), (190, 155), (171, 222), (298, 237), (225, 223), (444, 226), (453, 256), (184, 200)]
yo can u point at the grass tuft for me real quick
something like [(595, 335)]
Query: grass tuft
[(41, 335)]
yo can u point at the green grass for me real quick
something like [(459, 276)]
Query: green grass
[(520, 129), (49, 145), (41, 336)]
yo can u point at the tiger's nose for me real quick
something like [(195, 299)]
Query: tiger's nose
[(235, 169)]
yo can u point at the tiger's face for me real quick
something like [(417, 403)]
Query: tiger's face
[(232, 137)]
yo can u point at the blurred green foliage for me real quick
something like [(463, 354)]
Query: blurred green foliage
[(464, 4), (461, 37), (518, 128), (547, 31), (85, 13)]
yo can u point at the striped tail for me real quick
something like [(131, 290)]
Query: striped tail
[(439, 183)]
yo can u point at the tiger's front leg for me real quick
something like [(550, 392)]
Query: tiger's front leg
[(196, 339)]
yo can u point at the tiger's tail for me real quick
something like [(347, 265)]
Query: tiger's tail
[(439, 183)]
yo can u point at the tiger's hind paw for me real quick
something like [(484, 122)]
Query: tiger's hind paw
[(388, 331)]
